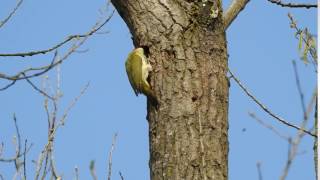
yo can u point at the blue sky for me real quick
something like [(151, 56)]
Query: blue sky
[(261, 48)]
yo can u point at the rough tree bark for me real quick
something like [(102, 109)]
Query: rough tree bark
[(315, 146), (187, 50)]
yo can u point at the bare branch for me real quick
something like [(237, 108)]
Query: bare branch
[(292, 153), (64, 116), (233, 11), (52, 164), (17, 142), (268, 126), (2, 23), (301, 95), (293, 5), (263, 107), (259, 171), (96, 28), (1, 148), (43, 69), (121, 176), (8, 85), (289, 161), (110, 156), (76, 171), (20, 164), (39, 90), (18, 134), (93, 170), (45, 163), (34, 72), (45, 171), (46, 156), (22, 74), (18, 145), (24, 160), (294, 144)]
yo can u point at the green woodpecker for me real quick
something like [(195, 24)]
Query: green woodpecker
[(138, 67)]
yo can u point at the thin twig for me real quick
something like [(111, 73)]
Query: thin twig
[(289, 161), (64, 116), (263, 107), (45, 171), (293, 5), (1, 148), (45, 155), (292, 152), (46, 68), (8, 85), (39, 90), (92, 170), (69, 38), (15, 157), (301, 95), (268, 126), (76, 171), (110, 156), (121, 176), (2, 23), (46, 100), (39, 163), (18, 145), (18, 134), (24, 160), (42, 69), (259, 171), (47, 151), (52, 164), (294, 144), (17, 141), (18, 153)]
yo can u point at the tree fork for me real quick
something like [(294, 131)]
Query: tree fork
[(188, 133)]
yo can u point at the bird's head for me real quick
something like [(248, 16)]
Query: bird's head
[(139, 50)]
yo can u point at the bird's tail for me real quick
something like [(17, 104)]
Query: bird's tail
[(152, 98)]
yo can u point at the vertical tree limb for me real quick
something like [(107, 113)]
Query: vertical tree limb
[(315, 147)]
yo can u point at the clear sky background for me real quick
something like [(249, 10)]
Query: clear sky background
[(261, 46)]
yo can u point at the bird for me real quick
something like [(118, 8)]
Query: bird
[(138, 68)]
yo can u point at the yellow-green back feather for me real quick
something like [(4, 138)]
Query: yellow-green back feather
[(134, 71)]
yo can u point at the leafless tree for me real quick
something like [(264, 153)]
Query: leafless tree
[(45, 164), (187, 43)]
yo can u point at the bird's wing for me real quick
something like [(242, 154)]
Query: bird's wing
[(135, 67)]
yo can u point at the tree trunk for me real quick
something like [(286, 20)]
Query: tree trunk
[(315, 145), (187, 49)]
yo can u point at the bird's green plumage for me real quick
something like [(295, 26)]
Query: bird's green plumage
[(138, 68), (134, 71)]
